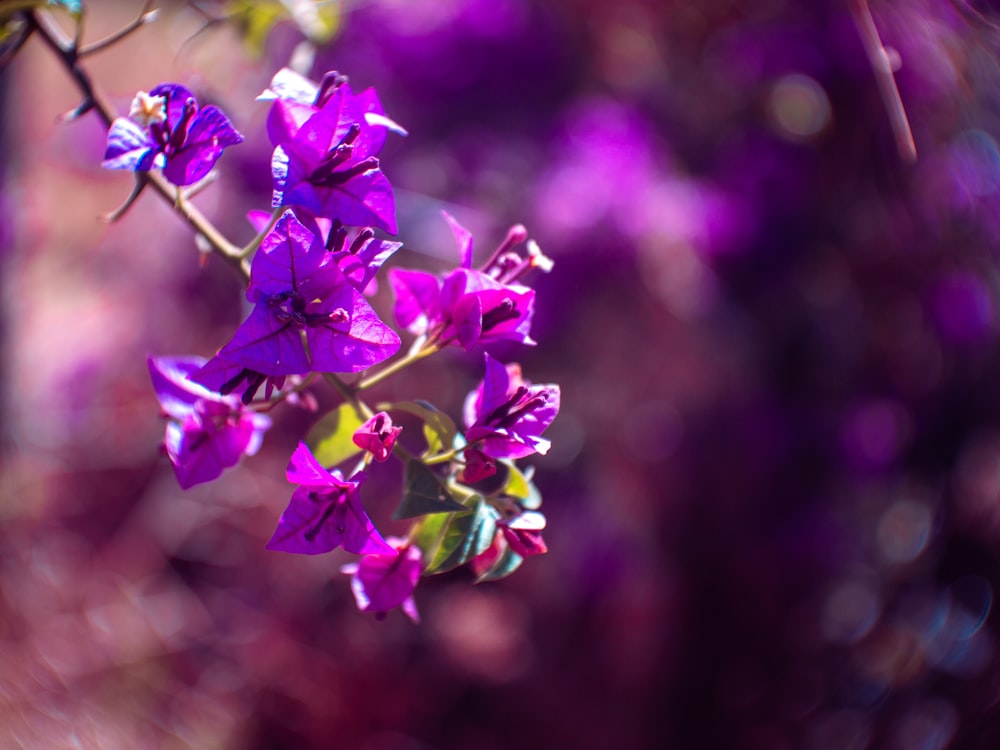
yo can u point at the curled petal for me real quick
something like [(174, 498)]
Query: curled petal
[(377, 436)]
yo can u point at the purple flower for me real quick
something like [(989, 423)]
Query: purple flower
[(324, 159), (471, 306), (381, 582), (325, 512), (377, 436), (506, 414), (297, 288), (301, 98), (356, 250), (166, 130), (206, 432)]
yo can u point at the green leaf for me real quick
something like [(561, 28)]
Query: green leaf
[(254, 21), (449, 541), (506, 564), (520, 486), (423, 493), (439, 429), (330, 439)]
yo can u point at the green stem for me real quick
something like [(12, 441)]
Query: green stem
[(362, 409), (400, 364), (441, 458)]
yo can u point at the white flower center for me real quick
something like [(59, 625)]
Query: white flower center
[(147, 109)]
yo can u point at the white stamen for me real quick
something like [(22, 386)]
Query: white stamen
[(147, 109)]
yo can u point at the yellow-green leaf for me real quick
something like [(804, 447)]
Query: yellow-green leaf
[(520, 486), (448, 541), (254, 21), (330, 439)]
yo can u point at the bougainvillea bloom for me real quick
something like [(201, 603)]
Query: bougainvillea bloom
[(357, 251), (299, 291), (325, 160), (468, 306), (302, 98), (325, 512), (377, 436), (206, 433), (166, 130), (506, 415), (381, 582)]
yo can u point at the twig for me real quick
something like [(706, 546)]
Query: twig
[(115, 215), (429, 348), (882, 67), (66, 52), (145, 16)]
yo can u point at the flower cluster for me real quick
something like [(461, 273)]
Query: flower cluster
[(307, 274)]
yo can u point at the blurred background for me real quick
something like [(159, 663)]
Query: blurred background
[(773, 491)]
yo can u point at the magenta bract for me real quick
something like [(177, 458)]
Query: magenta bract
[(467, 306), (324, 513), (506, 415), (377, 436), (206, 433), (297, 288), (325, 151), (381, 582)]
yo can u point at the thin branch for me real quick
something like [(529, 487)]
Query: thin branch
[(64, 50), (393, 368), (430, 347), (145, 16), (115, 215), (881, 64)]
